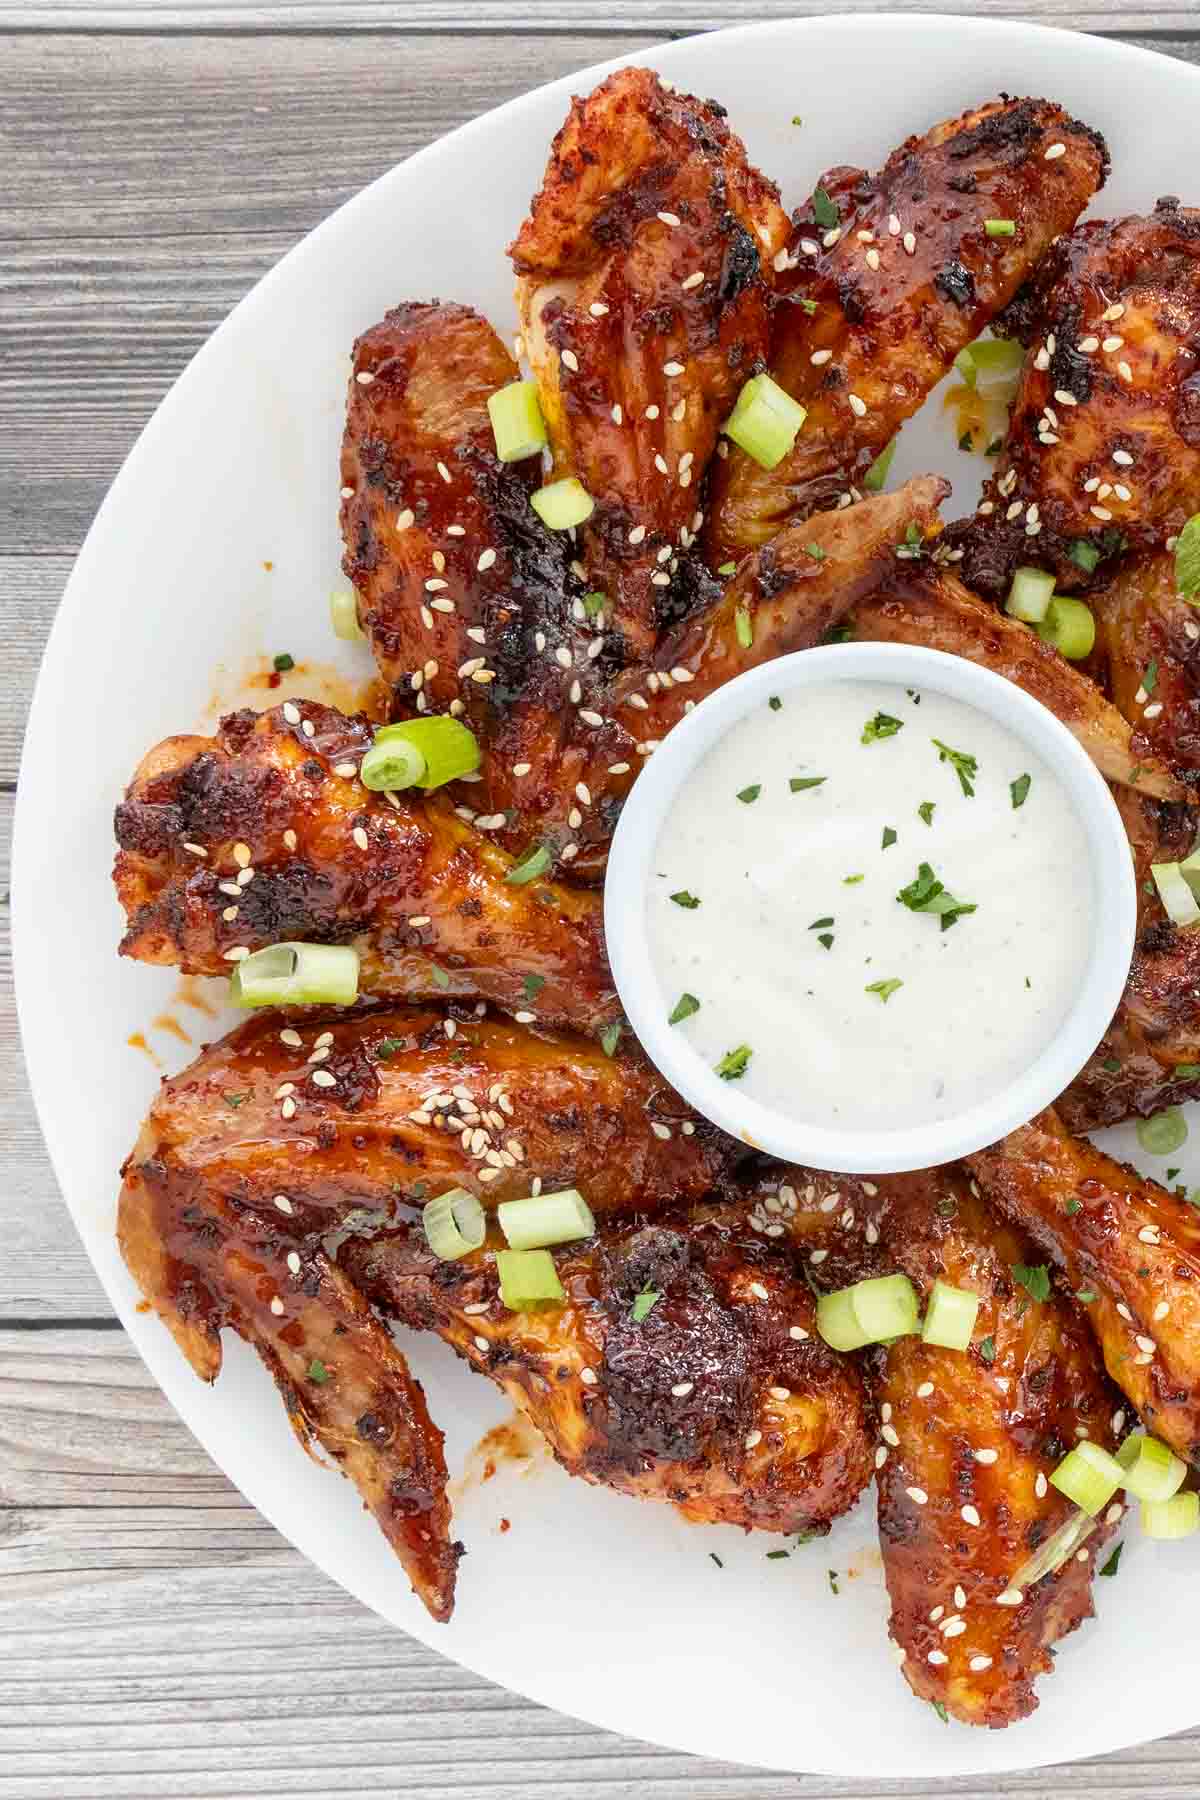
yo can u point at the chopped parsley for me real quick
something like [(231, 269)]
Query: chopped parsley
[(987, 1349), (1035, 1280), (610, 1038), (926, 811), (748, 795), (1085, 556), (885, 989), (825, 938), (939, 1707), (964, 766), (966, 441), (889, 838), (833, 1580), (318, 1374), (775, 1555), (810, 306), (1171, 1174), (685, 1006), (688, 901), (592, 604), (388, 1047), (825, 210), (927, 895), (881, 726), (1114, 1561), (995, 447), (1112, 1065), (744, 626), (535, 862), (236, 1100), (283, 663), (799, 784), (1085, 1296), (815, 551), (643, 1304), (534, 985), (820, 924), (732, 1065), (1019, 789), (1150, 677), (774, 703), (1072, 1207), (852, 880)]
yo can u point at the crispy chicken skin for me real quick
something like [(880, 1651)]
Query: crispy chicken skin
[(968, 1438), (710, 1402), (877, 313), (248, 839), (1124, 1240), (930, 606), (206, 1259), (1112, 320), (412, 1111), (642, 286)]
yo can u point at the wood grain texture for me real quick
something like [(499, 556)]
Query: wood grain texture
[(157, 1638)]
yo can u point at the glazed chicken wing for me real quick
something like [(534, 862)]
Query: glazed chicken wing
[(1104, 442), (264, 834), (1130, 1251), (893, 275), (968, 1438), (642, 284), (720, 1399), (1147, 657)]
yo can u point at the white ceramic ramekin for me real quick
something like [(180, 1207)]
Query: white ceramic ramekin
[(1109, 870)]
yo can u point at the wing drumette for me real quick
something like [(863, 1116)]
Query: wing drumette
[(1104, 444), (969, 1438), (643, 273), (720, 1399), (894, 275)]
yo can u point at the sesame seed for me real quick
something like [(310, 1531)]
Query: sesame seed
[(597, 309), (672, 368), (444, 472), (1041, 1485), (1088, 344), (752, 1438), (1010, 1597), (693, 280), (682, 1389), (364, 378), (891, 1436), (1115, 311), (1100, 512), (1041, 360), (1148, 1234), (347, 771), (637, 533), (987, 1457), (1055, 151), (322, 1078), (1145, 1344), (486, 559), (1121, 491), (237, 954), (590, 718), (910, 243), (291, 1038), (969, 1515), (570, 361), (588, 1377), (960, 1597), (288, 1087), (1113, 1514), (893, 225), (1065, 397), (277, 1303), (924, 1391), (1124, 371), (857, 407), (320, 1054), (308, 728), (651, 412), (435, 584), (953, 1627), (1161, 1310), (617, 415), (978, 1663), (810, 247), (937, 1657), (669, 218), (798, 1333), (361, 838), (881, 1454), (1124, 1311), (293, 1262), (917, 1495), (284, 1204), (288, 1109), (872, 260), (419, 920)]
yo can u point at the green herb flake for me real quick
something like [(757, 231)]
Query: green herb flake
[(727, 568), (825, 939), (833, 1580), (995, 447), (1111, 1065), (318, 1374), (946, 1208), (1035, 1280), (1019, 789), (440, 977), (284, 663), (1072, 1207), (1085, 556), (825, 210), (966, 441), (800, 784), (810, 306), (389, 1047), (610, 1037), (1184, 1071), (815, 551), (889, 838), (774, 703), (236, 1100), (689, 902), (733, 1064), (748, 795), (926, 894), (685, 1006), (534, 985), (820, 924), (964, 765), (744, 626), (1114, 1561), (939, 1707), (885, 989), (1187, 559), (713, 1557), (852, 880), (777, 1555), (535, 862), (881, 726), (926, 811), (1085, 1296), (593, 603), (987, 1349), (1150, 677), (644, 1304), (1171, 1174)]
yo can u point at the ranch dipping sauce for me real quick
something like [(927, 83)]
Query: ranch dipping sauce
[(870, 906)]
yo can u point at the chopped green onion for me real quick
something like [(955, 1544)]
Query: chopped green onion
[(733, 1064), (644, 1304), (532, 864), (1152, 1471), (1030, 594), (610, 1037), (443, 747), (1084, 555), (296, 975), (454, 1224), (1163, 1133), (1176, 894), (997, 359), (343, 616), (998, 228), (1019, 790), (743, 624), (1069, 626), (1189, 868), (283, 663), (838, 1323), (877, 474), (1089, 1476), (825, 210), (528, 1280), (1057, 1549), (545, 1219), (517, 423), (685, 1006), (562, 504), (1187, 558), (1177, 1517), (949, 1317), (885, 989), (870, 1312), (765, 421), (926, 811)]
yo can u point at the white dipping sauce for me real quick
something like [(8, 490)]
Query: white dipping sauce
[(978, 1002)]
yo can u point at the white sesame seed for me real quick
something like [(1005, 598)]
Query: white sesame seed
[(891, 1436), (953, 1627), (937, 1657), (1121, 491), (588, 1377), (1145, 1344), (1113, 343), (322, 1078), (361, 838), (238, 954), (1088, 344), (597, 309), (924, 1391), (960, 1597), (881, 1454), (1161, 1310), (1041, 360), (1065, 397), (308, 728), (798, 1333), (277, 1303), (910, 243), (672, 368), (817, 1256), (977, 1664), (1124, 371), (693, 280), (1010, 1597), (1040, 1485), (1124, 1311), (1100, 512), (1115, 311), (570, 361), (364, 377), (752, 1438), (1149, 1233), (284, 1204), (969, 1515), (917, 1495), (987, 1457), (1055, 151), (857, 407), (288, 1109), (1113, 1514), (637, 533)]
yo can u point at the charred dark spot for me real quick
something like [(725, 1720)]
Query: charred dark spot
[(471, 908), (692, 589), (771, 579), (1011, 128), (147, 830), (962, 184), (955, 283), (373, 1429), (850, 299), (1186, 417), (740, 265)]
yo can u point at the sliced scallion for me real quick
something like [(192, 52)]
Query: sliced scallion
[(343, 616), (562, 504), (877, 474), (1175, 892), (1069, 626), (1089, 1476), (1163, 1133), (1000, 228), (949, 1316), (296, 975), (992, 359), (528, 1280), (532, 864), (517, 423), (545, 1219), (870, 1312), (424, 753), (765, 421), (1030, 595), (1177, 1517), (454, 1224), (838, 1322), (1152, 1470)]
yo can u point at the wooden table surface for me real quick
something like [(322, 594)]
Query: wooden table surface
[(157, 1638)]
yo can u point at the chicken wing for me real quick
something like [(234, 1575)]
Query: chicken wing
[(1103, 448), (720, 1398), (1129, 1250), (1147, 657), (642, 283), (929, 606), (968, 1437), (263, 834), (206, 1259), (894, 275)]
